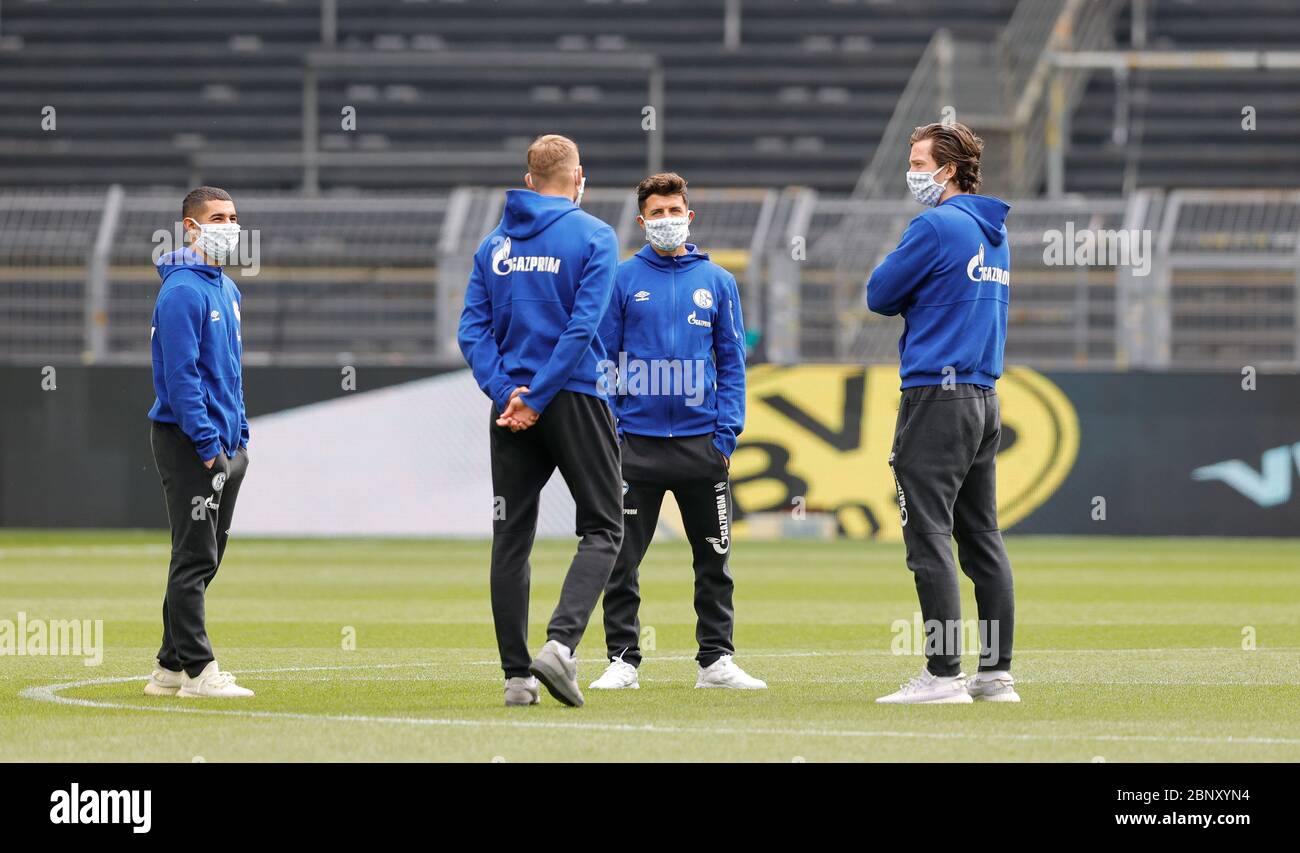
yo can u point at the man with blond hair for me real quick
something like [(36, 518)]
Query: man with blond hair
[(540, 285)]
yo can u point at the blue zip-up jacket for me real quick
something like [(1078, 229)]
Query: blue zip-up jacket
[(536, 295), (950, 278), (198, 353), (684, 313)]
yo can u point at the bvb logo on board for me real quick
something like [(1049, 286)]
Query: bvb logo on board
[(824, 432)]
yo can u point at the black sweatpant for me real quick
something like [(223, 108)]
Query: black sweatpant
[(944, 466), (696, 473), (200, 506), (575, 434)]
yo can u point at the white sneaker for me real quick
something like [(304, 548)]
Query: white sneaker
[(164, 682), (617, 676), (557, 669), (723, 672), (212, 683), (993, 686), (930, 689), (522, 691)]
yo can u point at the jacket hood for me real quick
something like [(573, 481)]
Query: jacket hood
[(527, 213), (187, 258), (692, 257), (989, 212)]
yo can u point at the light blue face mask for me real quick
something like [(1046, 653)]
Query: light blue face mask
[(924, 187)]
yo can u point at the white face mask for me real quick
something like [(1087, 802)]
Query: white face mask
[(218, 241), (924, 187), (668, 232)]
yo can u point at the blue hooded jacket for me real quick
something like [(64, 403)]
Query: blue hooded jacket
[(197, 354), (536, 295), (950, 278), (676, 315)]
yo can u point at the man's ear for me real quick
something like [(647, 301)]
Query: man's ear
[(528, 180), (640, 220), (690, 215)]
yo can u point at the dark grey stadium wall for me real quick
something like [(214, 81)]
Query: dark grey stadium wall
[(1141, 438), (79, 456)]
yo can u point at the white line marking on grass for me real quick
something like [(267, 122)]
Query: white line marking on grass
[(652, 659), (51, 693), (11, 552)]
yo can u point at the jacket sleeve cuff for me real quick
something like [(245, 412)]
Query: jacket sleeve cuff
[(209, 450), (537, 402), (725, 441)]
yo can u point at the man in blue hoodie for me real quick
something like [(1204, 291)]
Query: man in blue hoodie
[(675, 340), (950, 280), (199, 435), (539, 287)]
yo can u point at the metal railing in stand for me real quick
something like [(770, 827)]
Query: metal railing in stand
[(1001, 89), (1072, 59), (927, 90), (97, 275)]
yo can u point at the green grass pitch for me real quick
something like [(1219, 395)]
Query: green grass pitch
[(1126, 650)]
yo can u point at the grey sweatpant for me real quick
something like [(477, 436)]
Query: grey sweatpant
[(944, 465)]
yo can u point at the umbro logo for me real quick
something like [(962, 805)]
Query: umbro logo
[(642, 296), (215, 315)]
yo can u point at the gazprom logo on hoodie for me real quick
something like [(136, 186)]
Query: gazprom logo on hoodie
[(503, 264), (976, 271)]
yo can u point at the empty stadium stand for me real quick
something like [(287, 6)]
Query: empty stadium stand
[(158, 93), (772, 123), (143, 88), (1185, 127)]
